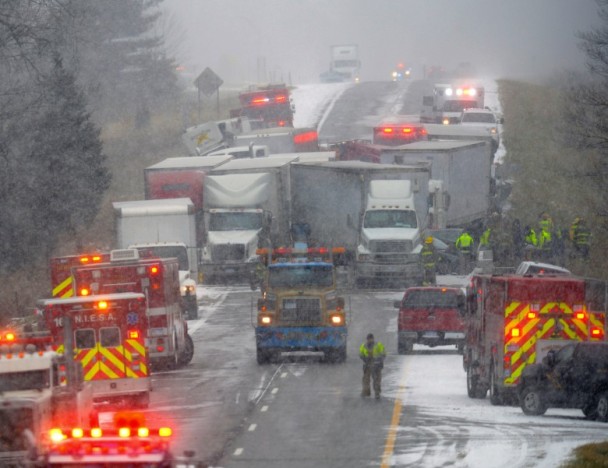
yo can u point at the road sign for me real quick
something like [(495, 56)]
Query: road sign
[(208, 82)]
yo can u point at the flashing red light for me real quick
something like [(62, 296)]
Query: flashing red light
[(77, 433), (280, 98), (165, 432), (259, 100), (160, 349), (387, 130), (96, 432), (596, 332), (407, 129), (282, 251), (306, 137), (84, 292), (154, 269), (143, 432), (124, 432), (282, 123)]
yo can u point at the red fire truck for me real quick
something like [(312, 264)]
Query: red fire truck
[(61, 271), (109, 333), (269, 106), (158, 279), (513, 321)]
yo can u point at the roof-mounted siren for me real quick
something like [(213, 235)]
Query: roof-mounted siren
[(124, 255)]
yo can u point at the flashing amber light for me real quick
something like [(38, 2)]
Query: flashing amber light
[(306, 137), (531, 315), (102, 305), (154, 269), (580, 315), (266, 320), (134, 334), (96, 258), (515, 333), (165, 432), (124, 432), (407, 130), (96, 432), (56, 435), (77, 433), (84, 292), (10, 336), (143, 432), (596, 332), (336, 319), (84, 259), (387, 130), (338, 250)]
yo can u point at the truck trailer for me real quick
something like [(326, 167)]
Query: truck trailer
[(375, 211)]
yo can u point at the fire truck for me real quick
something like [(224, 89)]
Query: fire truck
[(109, 333), (128, 442), (39, 388), (447, 102), (300, 309), (267, 106), (513, 321), (169, 344)]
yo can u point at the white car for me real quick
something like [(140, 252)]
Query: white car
[(482, 118)]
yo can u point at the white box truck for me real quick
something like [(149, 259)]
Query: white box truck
[(375, 211)]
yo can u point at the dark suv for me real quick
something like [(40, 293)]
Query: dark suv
[(575, 376)]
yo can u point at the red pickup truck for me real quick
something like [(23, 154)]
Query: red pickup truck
[(432, 316)]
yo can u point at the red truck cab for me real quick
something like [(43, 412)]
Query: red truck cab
[(432, 316)]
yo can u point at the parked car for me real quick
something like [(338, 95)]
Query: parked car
[(574, 376), (482, 118)]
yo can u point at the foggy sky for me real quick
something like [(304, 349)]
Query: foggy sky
[(242, 39)]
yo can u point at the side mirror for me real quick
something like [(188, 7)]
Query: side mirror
[(397, 304)]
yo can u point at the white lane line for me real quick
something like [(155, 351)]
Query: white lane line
[(238, 451), (238, 394), (264, 409), (278, 371), (274, 390), (283, 375), (252, 427)]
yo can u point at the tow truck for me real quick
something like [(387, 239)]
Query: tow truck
[(270, 106), (109, 341), (39, 388), (513, 321), (129, 443), (300, 309)]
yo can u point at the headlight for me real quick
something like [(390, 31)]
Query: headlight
[(337, 319), (446, 121), (493, 130), (265, 320)]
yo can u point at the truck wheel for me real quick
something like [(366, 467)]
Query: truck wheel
[(533, 401), (473, 388), (404, 347), (263, 356), (188, 353), (590, 409), (495, 397), (601, 409)]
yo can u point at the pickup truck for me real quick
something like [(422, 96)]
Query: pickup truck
[(575, 376), (432, 316)]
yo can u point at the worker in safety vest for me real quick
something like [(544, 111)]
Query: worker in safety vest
[(531, 243), (372, 354), (428, 257), (464, 245), (580, 235)]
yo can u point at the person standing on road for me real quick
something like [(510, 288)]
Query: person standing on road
[(372, 354), (464, 245), (428, 256)]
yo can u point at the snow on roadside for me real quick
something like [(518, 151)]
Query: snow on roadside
[(493, 102), (313, 100)]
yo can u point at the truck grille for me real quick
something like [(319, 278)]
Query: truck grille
[(221, 253), (391, 251), (301, 310)]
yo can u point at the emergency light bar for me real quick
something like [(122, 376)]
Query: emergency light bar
[(306, 137), (57, 435)]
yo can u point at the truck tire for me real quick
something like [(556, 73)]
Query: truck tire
[(404, 346), (474, 390), (532, 401), (186, 356), (601, 408), (263, 356), (590, 409), (495, 396)]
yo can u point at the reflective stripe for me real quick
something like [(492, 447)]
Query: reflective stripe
[(63, 285)]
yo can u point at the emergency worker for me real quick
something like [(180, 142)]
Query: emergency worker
[(464, 245), (544, 244), (580, 235), (428, 257), (545, 222), (372, 354), (531, 243)]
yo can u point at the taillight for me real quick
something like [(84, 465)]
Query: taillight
[(306, 137), (387, 130)]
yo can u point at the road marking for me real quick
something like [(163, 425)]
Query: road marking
[(389, 446), (264, 409), (238, 394), (283, 375), (263, 392), (274, 390), (238, 451), (252, 427)]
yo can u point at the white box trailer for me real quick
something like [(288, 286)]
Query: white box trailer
[(464, 171)]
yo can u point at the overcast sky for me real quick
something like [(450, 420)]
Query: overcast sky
[(239, 39)]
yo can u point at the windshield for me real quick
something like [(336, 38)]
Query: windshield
[(390, 219), (168, 251), (431, 298), (235, 221), (293, 276), (13, 421), (30, 380), (478, 117)]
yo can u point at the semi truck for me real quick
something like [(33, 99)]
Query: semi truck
[(300, 309), (375, 211), (513, 321), (165, 229), (246, 207), (344, 64), (461, 186), (447, 101)]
